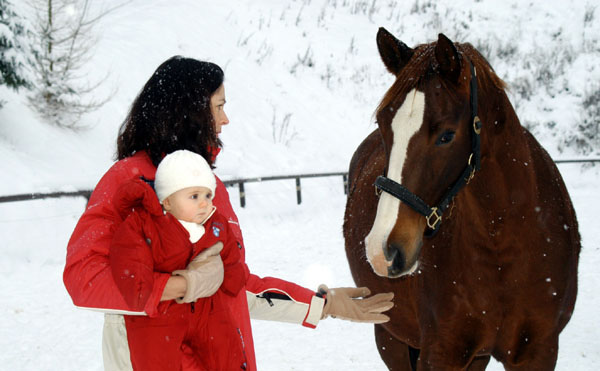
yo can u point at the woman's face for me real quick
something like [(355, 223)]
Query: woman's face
[(217, 103)]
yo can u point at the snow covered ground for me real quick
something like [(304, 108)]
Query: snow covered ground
[(316, 63), (41, 330)]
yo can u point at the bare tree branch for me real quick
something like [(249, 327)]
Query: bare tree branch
[(64, 30)]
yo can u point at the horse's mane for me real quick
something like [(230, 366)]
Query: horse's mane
[(423, 66)]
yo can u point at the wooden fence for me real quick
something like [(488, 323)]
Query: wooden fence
[(230, 183)]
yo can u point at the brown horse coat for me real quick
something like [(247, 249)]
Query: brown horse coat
[(500, 276)]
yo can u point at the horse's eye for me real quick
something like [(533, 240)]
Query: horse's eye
[(445, 138)]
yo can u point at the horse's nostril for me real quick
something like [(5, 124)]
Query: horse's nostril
[(397, 266), (394, 254), (390, 252)]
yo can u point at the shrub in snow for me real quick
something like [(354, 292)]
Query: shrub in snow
[(586, 137)]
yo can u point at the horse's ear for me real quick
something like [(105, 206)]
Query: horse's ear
[(394, 53), (447, 58)]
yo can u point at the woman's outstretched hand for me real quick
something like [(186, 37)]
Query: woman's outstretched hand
[(349, 303)]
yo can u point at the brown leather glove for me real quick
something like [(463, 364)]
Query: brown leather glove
[(204, 274), (346, 303)]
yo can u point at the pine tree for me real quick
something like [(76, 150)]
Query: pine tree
[(12, 48)]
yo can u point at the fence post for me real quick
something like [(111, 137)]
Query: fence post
[(298, 191), (242, 194), (345, 177)]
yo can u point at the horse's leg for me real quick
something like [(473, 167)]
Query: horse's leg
[(394, 353), (479, 363), (413, 355), (452, 354)]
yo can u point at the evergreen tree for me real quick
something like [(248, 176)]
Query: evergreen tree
[(12, 48)]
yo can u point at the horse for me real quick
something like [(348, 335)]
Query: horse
[(490, 270)]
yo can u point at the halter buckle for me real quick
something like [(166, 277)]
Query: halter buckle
[(472, 173), (477, 125), (434, 214)]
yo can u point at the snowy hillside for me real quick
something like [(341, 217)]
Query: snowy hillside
[(301, 73), (303, 79)]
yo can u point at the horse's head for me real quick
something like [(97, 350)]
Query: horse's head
[(426, 123)]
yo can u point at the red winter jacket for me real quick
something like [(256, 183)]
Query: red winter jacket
[(149, 241), (88, 277)]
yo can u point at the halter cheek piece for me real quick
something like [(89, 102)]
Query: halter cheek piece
[(433, 215)]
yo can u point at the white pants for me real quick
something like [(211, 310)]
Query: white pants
[(115, 349)]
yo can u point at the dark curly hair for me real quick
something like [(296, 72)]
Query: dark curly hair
[(172, 112)]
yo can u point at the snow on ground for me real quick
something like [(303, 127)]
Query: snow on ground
[(43, 331), (302, 81)]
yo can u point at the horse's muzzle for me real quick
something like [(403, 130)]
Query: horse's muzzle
[(400, 265)]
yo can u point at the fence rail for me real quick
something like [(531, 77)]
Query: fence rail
[(39, 196), (240, 183), (228, 183), (232, 182), (575, 160)]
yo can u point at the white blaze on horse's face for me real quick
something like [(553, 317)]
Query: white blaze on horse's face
[(406, 123)]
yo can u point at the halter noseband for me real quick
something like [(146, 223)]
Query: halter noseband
[(433, 215)]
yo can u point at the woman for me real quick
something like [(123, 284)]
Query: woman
[(182, 107)]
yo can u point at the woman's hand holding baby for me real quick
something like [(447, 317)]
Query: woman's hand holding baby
[(204, 274)]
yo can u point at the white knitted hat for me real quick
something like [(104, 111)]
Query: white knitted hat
[(182, 169)]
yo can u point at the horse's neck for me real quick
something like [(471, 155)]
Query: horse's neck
[(506, 168)]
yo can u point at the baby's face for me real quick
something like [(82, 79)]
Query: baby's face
[(192, 204)]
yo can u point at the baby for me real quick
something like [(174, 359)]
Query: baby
[(178, 231)]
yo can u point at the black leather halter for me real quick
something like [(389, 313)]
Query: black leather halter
[(433, 215)]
